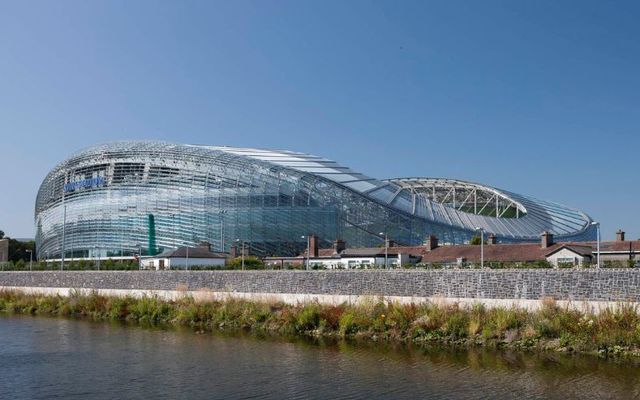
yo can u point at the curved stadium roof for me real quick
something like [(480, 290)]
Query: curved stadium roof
[(415, 196)]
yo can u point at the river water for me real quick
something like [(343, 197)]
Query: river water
[(58, 358)]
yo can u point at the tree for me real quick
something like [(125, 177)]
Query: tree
[(250, 262), (475, 241), (18, 250), (1, 234)]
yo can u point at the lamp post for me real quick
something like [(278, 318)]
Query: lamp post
[(386, 250), (241, 251), (173, 230), (139, 246), (96, 249), (186, 265), (30, 259), (222, 213), (64, 223), (481, 246), (308, 237), (597, 225), (122, 210)]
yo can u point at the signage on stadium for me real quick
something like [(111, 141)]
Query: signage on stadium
[(84, 184)]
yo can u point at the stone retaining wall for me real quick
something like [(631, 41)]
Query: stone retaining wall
[(605, 285)]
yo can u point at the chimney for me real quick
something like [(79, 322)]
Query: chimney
[(390, 243), (233, 251), (620, 235), (313, 243), (491, 239), (338, 246), (205, 245), (432, 242), (546, 239)]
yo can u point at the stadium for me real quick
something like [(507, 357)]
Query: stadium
[(141, 197)]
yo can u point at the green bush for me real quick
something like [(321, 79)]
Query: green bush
[(348, 325), (250, 262), (308, 319)]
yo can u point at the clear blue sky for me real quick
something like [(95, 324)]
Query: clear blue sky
[(537, 97)]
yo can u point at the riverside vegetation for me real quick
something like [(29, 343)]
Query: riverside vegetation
[(610, 333)]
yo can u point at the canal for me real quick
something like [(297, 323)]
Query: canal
[(42, 358)]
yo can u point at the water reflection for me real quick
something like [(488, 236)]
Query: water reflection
[(44, 358)]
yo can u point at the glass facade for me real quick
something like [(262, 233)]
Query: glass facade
[(98, 202)]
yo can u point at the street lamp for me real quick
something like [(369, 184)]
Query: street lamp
[(95, 248), (139, 246), (386, 249), (222, 213), (597, 225), (30, 259), (64, 223), (122, 210), (241, 251), (308, 248), (481, 246)]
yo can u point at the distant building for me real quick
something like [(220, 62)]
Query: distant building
[(183, 258), (340, 257), (4, 250), (619, 252), (571, 254)]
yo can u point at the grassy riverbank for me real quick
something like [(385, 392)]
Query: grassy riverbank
[(609, 333)]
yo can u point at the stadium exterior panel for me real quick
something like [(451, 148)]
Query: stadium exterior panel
[(98, 203)]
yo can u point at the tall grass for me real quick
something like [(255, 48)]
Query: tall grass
[(611, 332)]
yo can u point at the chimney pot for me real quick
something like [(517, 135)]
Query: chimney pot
[(313, 244), (546, 239), (432, 242), (620, 235), (338, 246)]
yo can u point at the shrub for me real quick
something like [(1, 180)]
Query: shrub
[(308, 319), (457, 324), (348, 325), (330, 317), (250, 262)]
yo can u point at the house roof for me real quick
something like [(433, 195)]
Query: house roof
[(581, 250), (415, 251), (494, 252), (521, 251), (194, 252), (322, 253), (624, 246), (512, 252), (380, 251)]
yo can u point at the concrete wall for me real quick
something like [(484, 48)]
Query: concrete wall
[(588, 288)]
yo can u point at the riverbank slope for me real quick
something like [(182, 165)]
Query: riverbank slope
[(610, 332)]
